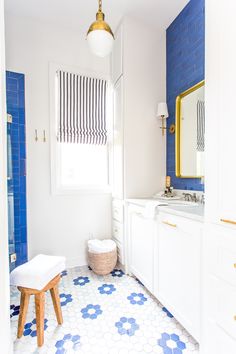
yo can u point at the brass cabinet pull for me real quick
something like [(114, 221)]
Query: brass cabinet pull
[(234, 318), (228, 221), (169, 223), (234, 265)]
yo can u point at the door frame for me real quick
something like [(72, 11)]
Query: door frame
[(5, 332)]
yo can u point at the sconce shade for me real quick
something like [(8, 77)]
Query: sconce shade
[(162, 110)]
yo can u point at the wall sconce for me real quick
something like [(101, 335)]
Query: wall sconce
[(162, 113)]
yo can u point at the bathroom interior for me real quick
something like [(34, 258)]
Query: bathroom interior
[(118, 207)]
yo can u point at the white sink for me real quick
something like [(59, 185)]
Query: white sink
[(182, 203)]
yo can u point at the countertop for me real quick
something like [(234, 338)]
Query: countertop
[(190, 212)]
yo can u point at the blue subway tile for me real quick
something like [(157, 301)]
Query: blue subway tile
[(185, 48)]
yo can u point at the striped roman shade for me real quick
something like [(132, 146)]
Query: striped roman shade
[(82, 109), (200, 125)]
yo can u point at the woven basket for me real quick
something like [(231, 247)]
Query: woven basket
[(102, 263)]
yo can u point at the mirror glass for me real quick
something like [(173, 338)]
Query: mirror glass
[(190, 132)]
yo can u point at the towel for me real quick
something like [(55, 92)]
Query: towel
[(101, 246)]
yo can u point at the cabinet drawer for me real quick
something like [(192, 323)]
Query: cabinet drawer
[(117, 210), (222, 253), (180, 223), (226, 308), (118, 231)]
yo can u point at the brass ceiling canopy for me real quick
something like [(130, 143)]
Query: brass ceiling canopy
[(100, 24)]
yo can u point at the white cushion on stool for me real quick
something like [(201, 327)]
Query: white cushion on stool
[(38, 272)]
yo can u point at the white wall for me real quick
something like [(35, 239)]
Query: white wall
[(145, 86), (5, 335), (57, 225)]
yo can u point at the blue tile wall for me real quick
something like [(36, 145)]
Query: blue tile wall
[(185, 68), (15, 84)]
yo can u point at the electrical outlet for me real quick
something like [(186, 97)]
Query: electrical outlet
[(13, 257)]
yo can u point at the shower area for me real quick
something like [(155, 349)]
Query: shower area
[(16, 169)]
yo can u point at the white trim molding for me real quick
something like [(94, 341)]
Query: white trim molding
[(5, 332)]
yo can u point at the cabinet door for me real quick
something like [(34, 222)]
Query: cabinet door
[(220, 112), (118, 141), (142, 232), (117, 56), (179, 272)]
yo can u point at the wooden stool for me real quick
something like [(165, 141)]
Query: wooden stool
[(35, 277), (39, 307)]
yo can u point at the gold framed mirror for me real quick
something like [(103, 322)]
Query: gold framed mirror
[(190, 132)]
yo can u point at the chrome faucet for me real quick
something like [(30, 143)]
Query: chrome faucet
[(190, 197)]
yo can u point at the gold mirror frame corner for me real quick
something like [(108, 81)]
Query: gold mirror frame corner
[(178, 126)]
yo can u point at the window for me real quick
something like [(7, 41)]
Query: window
[(80, 119), (83, 165)]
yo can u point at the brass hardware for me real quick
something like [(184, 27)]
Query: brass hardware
[(178, 128), (228, 221), (169, 223), (172, 129), (44, 136), (234, 265), (163, 128), (100, 24), (36, 135), (234, 318)]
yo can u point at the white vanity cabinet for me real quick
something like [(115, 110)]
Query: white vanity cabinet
[(142, 233), (178, 279), (219, 310), (164, 253)]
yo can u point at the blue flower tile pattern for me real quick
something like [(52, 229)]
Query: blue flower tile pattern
[(64, 273), (71, 342), (93, 322), (127, 326), (171, 343), (30, 328), (107, 289), (137, 299), (164, 309), (65, 299), (117, 273), (14, 310), (81, 281), (91, 311)]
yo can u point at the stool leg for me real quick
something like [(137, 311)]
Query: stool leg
[(24, 302), (39, 309), (56, 304)]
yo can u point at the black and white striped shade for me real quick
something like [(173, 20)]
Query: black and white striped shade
[(82, 109)]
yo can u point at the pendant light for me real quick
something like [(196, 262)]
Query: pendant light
[(100, 37)]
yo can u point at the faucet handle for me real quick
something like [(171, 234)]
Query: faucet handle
[(187, 196), (203, 199)]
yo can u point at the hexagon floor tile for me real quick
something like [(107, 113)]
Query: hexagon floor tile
[(111, 314)]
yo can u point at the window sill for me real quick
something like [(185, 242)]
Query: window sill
[(86, 190)]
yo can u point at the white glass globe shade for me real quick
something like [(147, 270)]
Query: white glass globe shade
[(100, 42)]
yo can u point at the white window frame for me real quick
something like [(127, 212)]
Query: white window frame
[(56, 187)]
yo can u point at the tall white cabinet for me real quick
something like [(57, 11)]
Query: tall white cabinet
[(138, 75), (219, 311)]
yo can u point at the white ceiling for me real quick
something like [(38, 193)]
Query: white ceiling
[(78, 14)]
